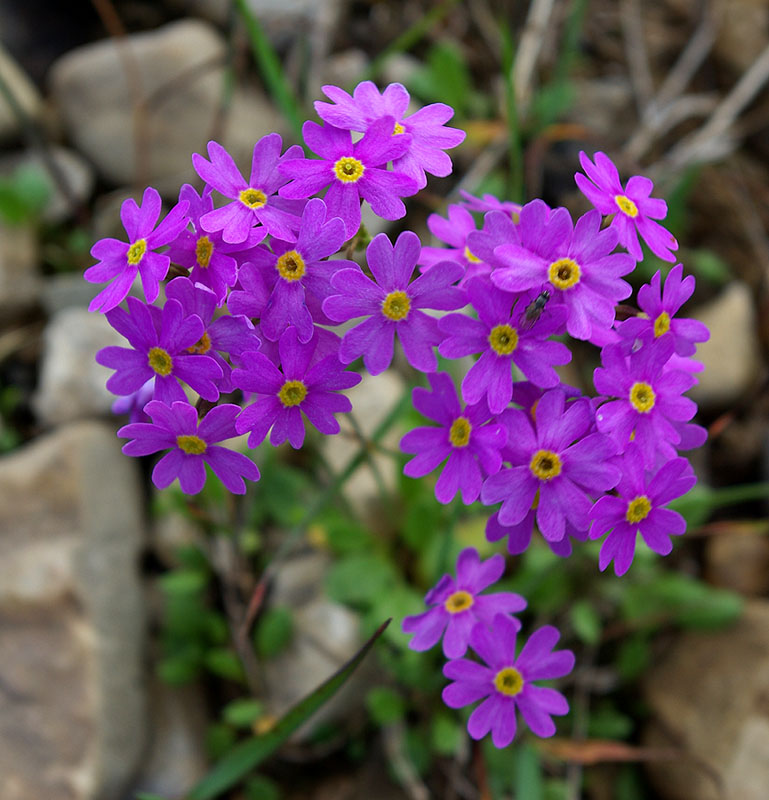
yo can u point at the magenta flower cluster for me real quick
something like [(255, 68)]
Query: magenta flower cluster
[(241, 343)]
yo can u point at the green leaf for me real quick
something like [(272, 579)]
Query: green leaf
[(445, 78), (445, 734), (224, 663), (607, 723), (586, 622), (633, 656), (247, 755), (242, 713), (528, 774), (183, 582), (261, 788), (274, 631), (359, 579), (385, 705), (148, 796)]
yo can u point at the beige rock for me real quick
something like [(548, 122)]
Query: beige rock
[(24, 92), (71, 621), (731, 355), (739, 561), (708, 698), (20, 279)]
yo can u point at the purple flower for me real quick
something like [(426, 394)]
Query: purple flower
[(299, 386), (254, 202), (648, 398), (454, 231), (634, 210), (638, 507), (392, 304), (490, 203), (504, 336), (133, 404), (428, 135), (299, 267), (163, 345), (120, 262), (351, 171), (498, 229), (211, 261), (507, 682), (519, 535), (191, 445), (469, 439), (457, 606), (575, 262), (554, 466), (227, 334), (660, 307)]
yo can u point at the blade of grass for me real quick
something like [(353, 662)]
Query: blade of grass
[(270, 67), (247, 755)]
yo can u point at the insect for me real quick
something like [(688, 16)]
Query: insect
[(534, 310)]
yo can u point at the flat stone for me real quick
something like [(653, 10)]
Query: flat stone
[(731, 355), (176, 72), (739, 561), (71, 618), (709, 699), (20, 279), (24, 92)]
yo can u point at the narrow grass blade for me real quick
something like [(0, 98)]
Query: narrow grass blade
[(247, 755)]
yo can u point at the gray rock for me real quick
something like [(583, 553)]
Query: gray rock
[(20, 279), (177, 71), (176, 757), (24, 92), (72, 384), (372, 400), (68, 290), (731, 355), (709, 699), (71, 618), (738, 559), (76, 174)]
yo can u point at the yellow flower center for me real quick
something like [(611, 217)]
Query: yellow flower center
[(136, 251), (398, 129), (661, 324), (508, 681), (545, 465), (459, 433), (638, 509), (160, 361), (193, 445), (626, 205), (292, 393), (459, 601), (503, 339), (642, 397), (291, 266), (253, 198), (349, 170), (202, 346), (473, 259), (204, 249), (396, 306), (564, 273)]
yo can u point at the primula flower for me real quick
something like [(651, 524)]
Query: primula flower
[(298, 386), (392, 304), (503, 336), (648, 398), (519, 535), (507, 682), (638, 508), (120, 262), (192, 446), (457, 606), (133, 404), (660, 306), (254, 202), (211, 261), (555, 464), (490, 203), (351, 172), (634, 210), (454, 232), (163, 348), (575, 262), (468, 438), (227, 334), (298, 267), (498, 229), (427, 130)]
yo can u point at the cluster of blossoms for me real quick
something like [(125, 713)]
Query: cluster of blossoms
[(241, 342)]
